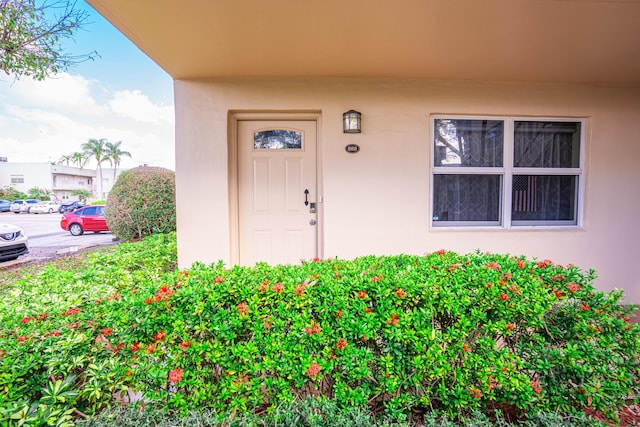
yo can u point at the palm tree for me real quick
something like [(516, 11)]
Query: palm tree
[(40, 193), (80, 159), (115, 155), (96, 148), (65, 159)]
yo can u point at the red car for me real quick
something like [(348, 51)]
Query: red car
[(88, 218)]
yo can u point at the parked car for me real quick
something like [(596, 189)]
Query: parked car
[(18, 206), (13, 242), (70, 206), (88, 218), (5, 206), (50, 206)]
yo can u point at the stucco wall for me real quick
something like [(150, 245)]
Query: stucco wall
[(34, 174), (377, 201)]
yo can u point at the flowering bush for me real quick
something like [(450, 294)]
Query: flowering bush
[(446, 333)]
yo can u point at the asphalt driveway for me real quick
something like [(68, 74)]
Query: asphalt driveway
[(47, 240)]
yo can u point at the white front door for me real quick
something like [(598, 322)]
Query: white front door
[(277, 194)]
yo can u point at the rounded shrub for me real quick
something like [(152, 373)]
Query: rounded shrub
[(142, 203)]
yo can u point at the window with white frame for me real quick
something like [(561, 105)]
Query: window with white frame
[(506, 172)]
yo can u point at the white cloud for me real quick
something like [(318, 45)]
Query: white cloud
[(42, 121), (62, 91), (137, 106)]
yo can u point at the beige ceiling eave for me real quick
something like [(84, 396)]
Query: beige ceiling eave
[(583, 41)]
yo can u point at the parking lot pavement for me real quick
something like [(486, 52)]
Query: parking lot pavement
[(47, 240)]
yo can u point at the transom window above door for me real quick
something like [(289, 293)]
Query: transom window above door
[(506, 172), (277, 139)]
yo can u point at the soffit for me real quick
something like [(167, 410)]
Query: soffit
[(584, 41)]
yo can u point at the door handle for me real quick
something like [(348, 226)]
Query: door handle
[(313, 222), (306, 197)]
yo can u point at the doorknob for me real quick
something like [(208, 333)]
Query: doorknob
[(312, 222), (306, 197)]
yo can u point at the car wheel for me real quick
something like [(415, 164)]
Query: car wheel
[(50, 210), (75, 229), (17, 212)]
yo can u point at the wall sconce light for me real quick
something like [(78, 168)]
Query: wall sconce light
[(351, 121)]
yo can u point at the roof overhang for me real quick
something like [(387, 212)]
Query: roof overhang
[(579, 41)]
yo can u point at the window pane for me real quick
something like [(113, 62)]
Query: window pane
[(466, 198), (546, 144), (470, 143), (544, 198), (277, 139)]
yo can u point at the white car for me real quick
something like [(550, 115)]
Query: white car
[(45, 207), (13, 242)]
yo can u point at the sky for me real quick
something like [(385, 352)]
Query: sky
[(122, 95)]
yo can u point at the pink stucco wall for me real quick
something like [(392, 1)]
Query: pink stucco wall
[(378, 201)]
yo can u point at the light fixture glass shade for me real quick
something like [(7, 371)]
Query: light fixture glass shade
[(351, 121)]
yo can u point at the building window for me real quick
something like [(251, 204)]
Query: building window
[(506, 172), (17, 179), (277, 139)]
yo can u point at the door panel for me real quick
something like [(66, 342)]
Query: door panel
[(276, 164)]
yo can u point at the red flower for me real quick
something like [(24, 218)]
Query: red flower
[(376, 279), (314, 329), (521, 263), (573, 287), (135, 346), (266, 324), (151, 348), (148, 301), (22, 338), (129, 373), (107, 331), (160, 336), (263, 286), (300, 289), (400, 293), (441, 252), (342, 343), (559, 294), (53, 334), (218, 279), (584, 306), (504, 297), (175, 375), (2, 353), (493, 265), (185, 345), (466, 348), (510, 326), (489, 285), (72, 311), (43, 316), (314, 370), (476, 393), (242, 378), (26, 319), (362, 294), (278, 287), (368, 310), (536, 386), (339, 313), (394, 320), (74, 325), (243, 308), (544, 263)]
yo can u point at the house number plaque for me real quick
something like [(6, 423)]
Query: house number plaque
[(352, 148)]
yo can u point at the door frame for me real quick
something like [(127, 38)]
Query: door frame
[(235, 116)]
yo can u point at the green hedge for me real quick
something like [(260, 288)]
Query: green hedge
[(445, 333)]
